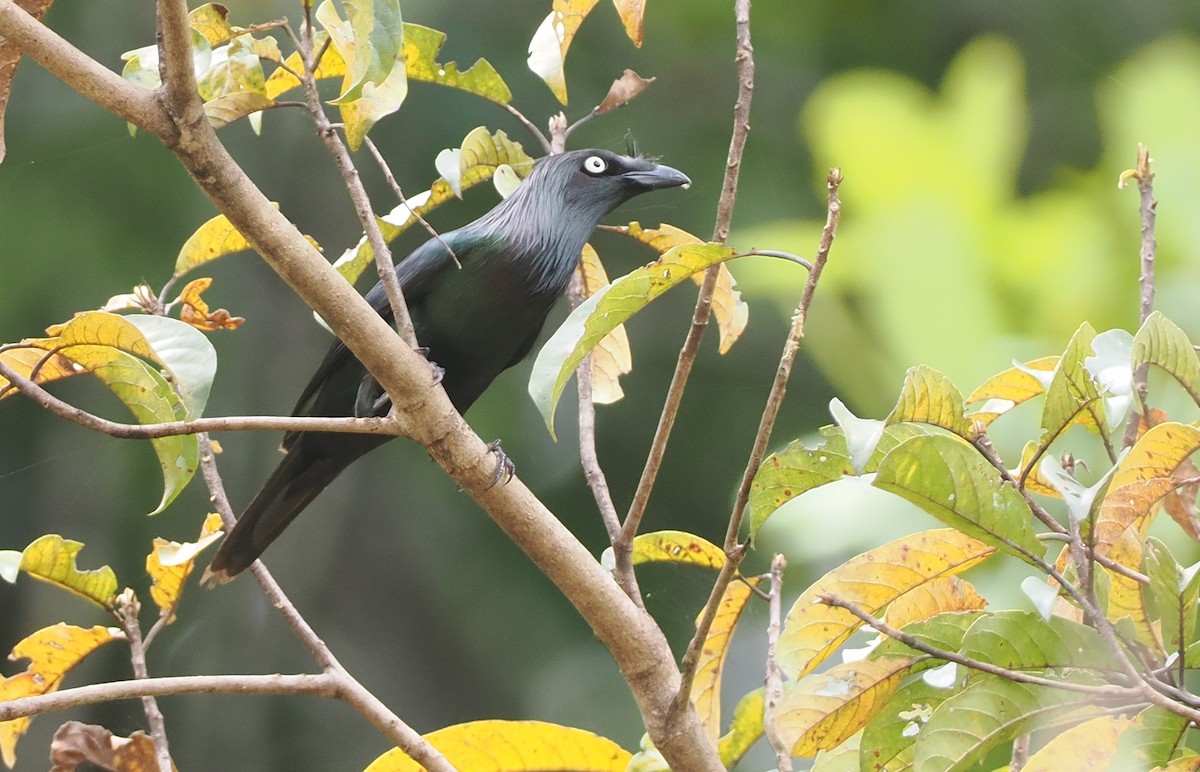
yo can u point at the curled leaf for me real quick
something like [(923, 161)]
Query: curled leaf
[(623, 91), (194, 311)]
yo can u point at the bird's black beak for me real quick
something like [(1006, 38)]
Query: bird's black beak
[(658, 177)]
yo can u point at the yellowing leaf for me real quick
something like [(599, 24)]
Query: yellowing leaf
[(215, 238), (1007, 389), (225, 109), (946, 594), (36, 363), (548, 48), (745, 729), (52, 652), (331, 66), (792, 471), (170, 563), (706, 688), (728, 308), (631, 12), (929, 397), (821, 711), (812, 630), (514, 746), (194, 310), (611, 358), (677, 547), (51, 558), (1143, 477), (212, 21), (601, 313), (421, 46)]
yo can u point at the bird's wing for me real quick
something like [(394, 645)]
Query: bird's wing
[(418, 274)]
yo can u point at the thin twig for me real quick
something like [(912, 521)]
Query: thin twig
[(528, 124), (983, 443), (589, 459), (773, 688), (1109, 691), (347, 688), (1020, 753), (1148, 210), (390, 425), (127, 608), (691, 345), (734, 549), (391, 180), (358, 196)]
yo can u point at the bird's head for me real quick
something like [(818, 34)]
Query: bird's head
[(594, 182)]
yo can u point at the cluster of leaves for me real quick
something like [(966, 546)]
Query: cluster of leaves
[(1114, 618), (55, 650)]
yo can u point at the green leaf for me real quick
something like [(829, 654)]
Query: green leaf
[(1171, 595), (989, 711), (187, 354), (889, 740), (792, 471), (1072, 395), (929, 397), (601, 313), (1020, 640), (1160, 342), (1156, 736), (944, 631), (950, 480), (51, 558)]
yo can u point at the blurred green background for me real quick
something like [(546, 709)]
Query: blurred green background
[(981, 143)]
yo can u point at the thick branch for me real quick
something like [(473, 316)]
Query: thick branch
[(79, 71), (637, 644)]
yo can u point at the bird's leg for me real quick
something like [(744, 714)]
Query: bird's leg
[(505, 468)]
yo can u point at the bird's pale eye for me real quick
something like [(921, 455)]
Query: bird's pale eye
[(595, 165)]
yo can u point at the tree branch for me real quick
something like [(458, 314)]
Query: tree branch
[(127, 608), (691, 344), (637, 644), (735, 550), (773, 687), (1147, 208)]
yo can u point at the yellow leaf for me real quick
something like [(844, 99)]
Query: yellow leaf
[(548, 48), (821, 711), (212, 21), (870, 581), (730, 311), (949, 593), (1005, 390), (1089, 745), (98, 328), (631, 12), (52, 652), (36, 363), (744, 731), (194, 310), (677, 547), (170, 563), (51, 558), (215, 238), (514, 746), (611, 358), (1143, 477), (706, 688)]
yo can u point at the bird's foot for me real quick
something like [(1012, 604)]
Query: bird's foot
[(505, 468), (439, 372)]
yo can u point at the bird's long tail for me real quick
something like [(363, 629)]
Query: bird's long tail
[(300, 476)]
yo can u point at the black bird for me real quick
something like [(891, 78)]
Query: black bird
[(474, 322)]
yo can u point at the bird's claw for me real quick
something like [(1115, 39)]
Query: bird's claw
[(505, 468), (439, 372)]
